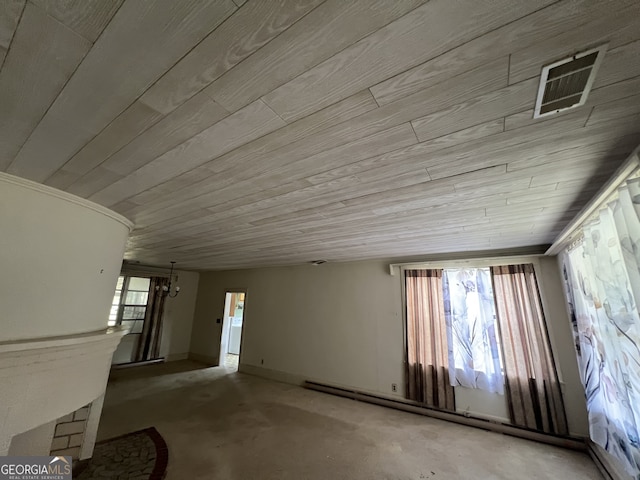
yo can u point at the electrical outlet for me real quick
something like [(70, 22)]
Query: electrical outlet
[(394, 387)]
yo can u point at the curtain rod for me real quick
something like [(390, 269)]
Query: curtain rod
[(620, 175), (500, 259)]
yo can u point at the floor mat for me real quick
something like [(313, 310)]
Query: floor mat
[(139, 455)]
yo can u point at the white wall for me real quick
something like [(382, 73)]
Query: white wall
[(60, 258), (178, 317), (342, 324), (338, 323)]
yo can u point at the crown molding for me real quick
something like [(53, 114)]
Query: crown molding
[(68, 197)]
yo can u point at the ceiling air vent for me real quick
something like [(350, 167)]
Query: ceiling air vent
[(566, 84)]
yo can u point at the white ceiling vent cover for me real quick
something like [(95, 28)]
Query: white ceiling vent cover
[(566, 84)]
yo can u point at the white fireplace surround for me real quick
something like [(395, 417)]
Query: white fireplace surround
[(45, 379), (61, 257)]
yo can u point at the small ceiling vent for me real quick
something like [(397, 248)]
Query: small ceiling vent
[(566, 84)]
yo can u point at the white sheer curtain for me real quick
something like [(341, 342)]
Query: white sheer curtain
[(474, 352), (602, 273)]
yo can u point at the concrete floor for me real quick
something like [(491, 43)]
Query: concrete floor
[(231, 361), (220, 425)]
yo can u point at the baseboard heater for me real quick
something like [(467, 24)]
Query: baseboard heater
[(607, 468), (411, 407)]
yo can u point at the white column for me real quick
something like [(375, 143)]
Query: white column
[(91, 428), (36, 441)]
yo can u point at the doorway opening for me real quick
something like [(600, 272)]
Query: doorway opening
[(231, 338)]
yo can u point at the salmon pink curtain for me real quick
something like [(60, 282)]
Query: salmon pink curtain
[(531, 380), (427, 353)]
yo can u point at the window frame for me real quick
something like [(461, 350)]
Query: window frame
[(122, 303), (478, 262)]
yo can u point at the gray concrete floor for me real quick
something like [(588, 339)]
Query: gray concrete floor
[(225, 425)]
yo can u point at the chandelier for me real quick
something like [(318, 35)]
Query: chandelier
[(166, 289)]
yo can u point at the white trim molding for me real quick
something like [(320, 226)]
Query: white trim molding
[(566, 236), (44, 379), (68, 197)]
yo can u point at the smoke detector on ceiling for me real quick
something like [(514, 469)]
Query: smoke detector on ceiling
[(566, 84)]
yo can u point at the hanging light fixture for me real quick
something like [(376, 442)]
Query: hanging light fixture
[(166, 289)]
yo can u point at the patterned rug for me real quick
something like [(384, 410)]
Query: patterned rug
[(139, 455)]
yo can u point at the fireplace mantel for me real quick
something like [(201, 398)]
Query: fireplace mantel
[(61, 257), (46, 378)]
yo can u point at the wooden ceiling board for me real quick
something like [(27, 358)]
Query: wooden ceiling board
[(126, 127), (96, 93), (619, 63), (507, 100), (244, 33), (613, 111), (243, 134), (599, 96), (219, 51), (367, 124), (325, 31), (223, 48), (85, 17), (391, 139), (365, 183), (615, 22), (537, 145), (402, 44), (189, 119), (475, 180), (527, 30), (199, 179), (407, 158), (9, 16), (95, 180), (31, 78), (333, 237), (251, 122)]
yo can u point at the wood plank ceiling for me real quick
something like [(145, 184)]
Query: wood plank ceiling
[(282, 131)]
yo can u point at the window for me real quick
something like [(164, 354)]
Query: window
[(129, 306), (472, 334), (453, 320)]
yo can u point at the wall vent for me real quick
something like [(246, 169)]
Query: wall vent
[(566, 84)]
